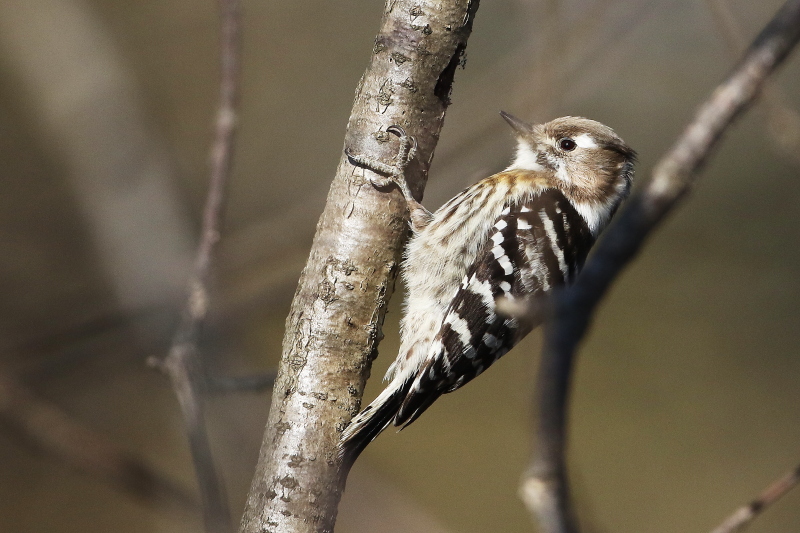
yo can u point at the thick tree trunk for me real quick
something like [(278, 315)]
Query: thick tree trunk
[(335, 321)]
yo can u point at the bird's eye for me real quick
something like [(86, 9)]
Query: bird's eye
[(567, 144)]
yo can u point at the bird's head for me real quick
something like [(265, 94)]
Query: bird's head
[(583, 158)]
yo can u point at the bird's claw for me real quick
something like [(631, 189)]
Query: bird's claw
[(408, 145), (395, 174), (405, 154), (381, 182)]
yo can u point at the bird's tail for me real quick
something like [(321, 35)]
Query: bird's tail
[(369, 423)]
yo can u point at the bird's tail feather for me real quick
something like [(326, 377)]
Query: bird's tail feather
[(370, 422)]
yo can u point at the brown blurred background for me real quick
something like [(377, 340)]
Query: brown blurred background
[(686, 397)]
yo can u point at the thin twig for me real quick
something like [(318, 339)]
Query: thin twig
[(182, 363), (745, 514), (544, 488), (49, 430)]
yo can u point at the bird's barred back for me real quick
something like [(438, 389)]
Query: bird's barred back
[(533, 246)]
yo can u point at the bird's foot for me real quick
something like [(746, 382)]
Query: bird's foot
[(395, 174)]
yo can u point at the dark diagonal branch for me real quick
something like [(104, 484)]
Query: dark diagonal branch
[(746, 513), (46, 428), (182, 363), (544, 488), (335, 321)]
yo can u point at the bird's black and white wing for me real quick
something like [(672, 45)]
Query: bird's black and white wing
[(532, 247)]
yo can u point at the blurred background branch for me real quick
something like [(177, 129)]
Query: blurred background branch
[(742, 517), (183, 363), (119, 172), (49, 430), (545, 488)]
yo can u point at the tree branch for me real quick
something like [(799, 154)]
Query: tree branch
[(335, 321), (746, 513), (182, 363), (47, 428), (544, 488)]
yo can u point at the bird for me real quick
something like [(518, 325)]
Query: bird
[(510, 238)]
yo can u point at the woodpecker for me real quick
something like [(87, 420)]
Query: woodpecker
[(509, 238)]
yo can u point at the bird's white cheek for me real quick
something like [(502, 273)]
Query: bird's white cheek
[(561, 172), (585, 141), (526, 159)]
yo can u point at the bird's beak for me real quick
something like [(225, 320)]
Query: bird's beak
[(520, 126)]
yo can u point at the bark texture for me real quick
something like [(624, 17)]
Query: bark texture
[(335, 321)]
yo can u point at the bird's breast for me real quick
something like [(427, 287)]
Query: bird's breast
[(438, 257)]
